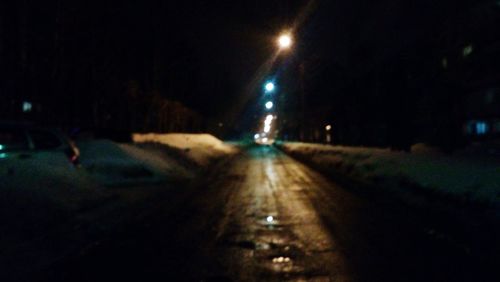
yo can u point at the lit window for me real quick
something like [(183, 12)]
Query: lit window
[(468, 50), (27, 106), (481, 128), (444, 63)]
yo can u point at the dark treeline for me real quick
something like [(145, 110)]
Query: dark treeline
[(97, 64), (397, 73)]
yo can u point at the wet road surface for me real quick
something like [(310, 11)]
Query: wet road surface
[(266, 217)]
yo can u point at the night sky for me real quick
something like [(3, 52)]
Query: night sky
[(233, 39), (224, 42), (398, 67)]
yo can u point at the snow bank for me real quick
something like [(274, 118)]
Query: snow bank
[(158, 160), (113, 164), (200, 148), (47, 189), (59, 185), (41, 192), (154, 158), (467, 179)]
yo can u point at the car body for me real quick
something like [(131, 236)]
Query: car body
[(23, 146)]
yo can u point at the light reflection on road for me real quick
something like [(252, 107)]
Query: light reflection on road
[(288, 238)]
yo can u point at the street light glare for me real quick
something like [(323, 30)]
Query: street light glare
[(285, 41), (269, 105), (269, 87)]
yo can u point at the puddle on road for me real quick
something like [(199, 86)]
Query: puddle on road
[(266, 241), (269, 219), (271, 222), (282, 260), (284, 264)]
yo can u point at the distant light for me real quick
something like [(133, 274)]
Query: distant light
[(468, 50), (267, 128), (270, 87), (328, 127), (481, 128), (268, 122), (256, 136), (27, 106), (221, 124), (269, 117), (1, 147), (270, 219), (285, 41), (269, 105), (3, 155), (265, 140), (444, 63)]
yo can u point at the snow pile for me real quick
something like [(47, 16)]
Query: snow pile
[(199, 148), (115, 164), (463, 178), (57, 185), (158, 160), (43, 190)]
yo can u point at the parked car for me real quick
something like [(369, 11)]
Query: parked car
[(23, 145)]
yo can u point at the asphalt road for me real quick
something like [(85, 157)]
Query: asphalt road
[(265, 217)]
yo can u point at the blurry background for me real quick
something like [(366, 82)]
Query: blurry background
[(381, 74)]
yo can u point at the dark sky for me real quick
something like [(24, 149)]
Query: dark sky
[(233, 39), (208, 54), (199, 52)]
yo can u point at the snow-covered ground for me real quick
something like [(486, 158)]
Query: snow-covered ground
[(462, 177), (152, 158), (200, 148), (110, 163), (47, 197), (48, 179)]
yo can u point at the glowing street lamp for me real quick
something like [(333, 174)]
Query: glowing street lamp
[(328, 129), (256, 136), (285, 41), (267, 128), (270, 87), (269, 105)]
